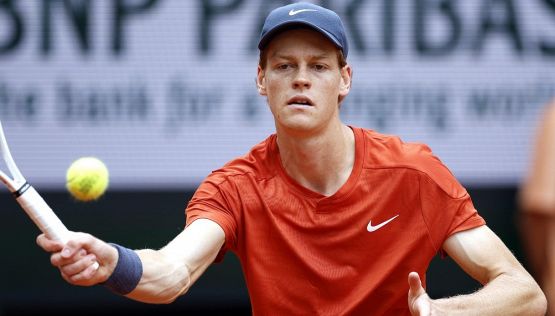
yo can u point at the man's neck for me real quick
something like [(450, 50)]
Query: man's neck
[(321, 162)]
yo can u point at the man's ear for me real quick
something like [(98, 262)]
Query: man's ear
[(346, 80), (261, 81)]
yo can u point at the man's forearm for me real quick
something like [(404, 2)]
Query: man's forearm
[(508, 294), (164, 279), (169, 272)]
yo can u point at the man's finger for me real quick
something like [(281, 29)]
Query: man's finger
[(47, 244), (80, 243), (79, 266), (86, 276), (419, 302), (415, 285), (58, 260)]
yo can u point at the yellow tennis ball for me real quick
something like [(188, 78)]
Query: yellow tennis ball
[(87, 178)]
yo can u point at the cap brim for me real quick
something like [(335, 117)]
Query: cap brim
[(291, 24)]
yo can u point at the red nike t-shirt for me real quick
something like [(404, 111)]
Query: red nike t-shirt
[(303, 253)]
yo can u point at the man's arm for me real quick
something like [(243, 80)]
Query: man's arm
[(167, 273), (508, 287)]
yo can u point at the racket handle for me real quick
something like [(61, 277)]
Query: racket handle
[(42, 215)]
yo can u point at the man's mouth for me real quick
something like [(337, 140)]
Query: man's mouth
[(300, 100)]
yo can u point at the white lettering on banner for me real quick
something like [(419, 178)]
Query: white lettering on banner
[(163, 90)]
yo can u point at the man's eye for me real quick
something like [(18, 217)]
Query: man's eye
[(319, 67), (284, 66)]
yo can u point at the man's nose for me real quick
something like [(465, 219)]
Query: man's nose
[(302, 79)]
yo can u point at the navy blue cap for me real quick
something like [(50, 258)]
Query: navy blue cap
[(315, 17)]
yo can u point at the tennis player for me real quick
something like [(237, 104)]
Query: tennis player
[(537, 202), (326, 219)]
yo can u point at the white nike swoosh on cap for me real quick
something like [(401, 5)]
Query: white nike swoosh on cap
[(371, 228), (293, 12)]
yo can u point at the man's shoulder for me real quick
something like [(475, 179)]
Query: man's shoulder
[(385, 151), (391, 150), (257, 162)]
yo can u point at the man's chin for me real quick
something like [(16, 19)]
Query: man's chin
[(299, 125)]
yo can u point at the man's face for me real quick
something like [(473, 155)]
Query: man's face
[(302, 80)]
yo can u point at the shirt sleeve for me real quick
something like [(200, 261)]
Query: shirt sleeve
[(213, 200), (445, 204)]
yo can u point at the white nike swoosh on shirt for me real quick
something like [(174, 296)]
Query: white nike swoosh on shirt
[(293, 12), (371, 228)]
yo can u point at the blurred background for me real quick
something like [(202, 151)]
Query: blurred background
[(163, 92)]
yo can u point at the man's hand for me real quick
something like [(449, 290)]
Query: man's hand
[(76, 260), (420, 303)]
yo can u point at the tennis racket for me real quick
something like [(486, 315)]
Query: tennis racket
[(29, 199)]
